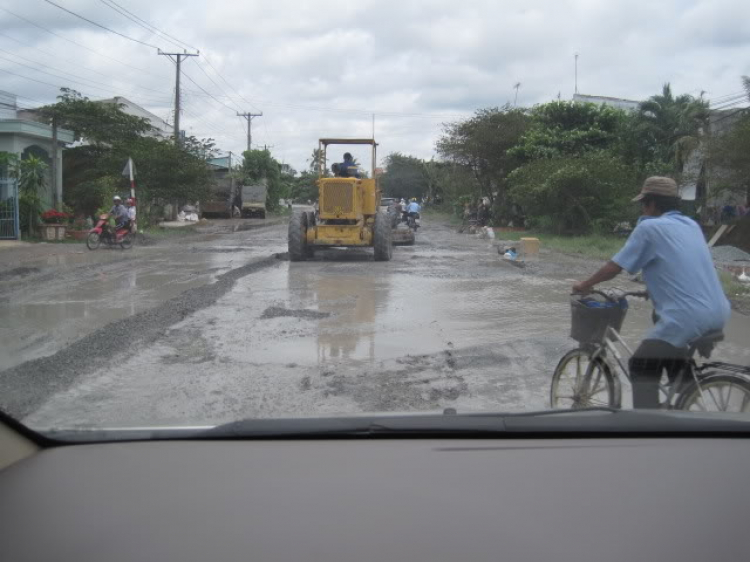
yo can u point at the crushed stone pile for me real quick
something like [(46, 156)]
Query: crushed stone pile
[(729, 254)]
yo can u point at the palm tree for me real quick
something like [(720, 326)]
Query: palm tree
[(314, 159), (673, 125)]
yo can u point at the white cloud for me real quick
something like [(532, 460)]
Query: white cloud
[(320, 68)]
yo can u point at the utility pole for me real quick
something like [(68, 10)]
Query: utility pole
[(576, 90), (56, 187), (178, 61), (249, 118), (515, 101)]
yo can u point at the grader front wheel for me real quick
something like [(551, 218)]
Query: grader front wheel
[(298, 237)]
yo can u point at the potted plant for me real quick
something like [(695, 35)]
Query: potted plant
[(55, 223), (79, 229)]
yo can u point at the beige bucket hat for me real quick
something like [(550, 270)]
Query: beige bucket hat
[(658, 185)]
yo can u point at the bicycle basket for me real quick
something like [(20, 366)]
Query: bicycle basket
[(590, 318)]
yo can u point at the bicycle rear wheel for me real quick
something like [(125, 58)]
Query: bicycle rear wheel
[(580, 383), (720, 393)]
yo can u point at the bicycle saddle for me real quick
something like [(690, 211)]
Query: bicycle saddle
[(706, 343)]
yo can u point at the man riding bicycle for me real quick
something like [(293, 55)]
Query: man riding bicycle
[(671, 251)]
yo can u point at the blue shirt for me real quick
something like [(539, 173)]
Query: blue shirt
[(119, 212), (349, 169), (413, 207), (680, 277)]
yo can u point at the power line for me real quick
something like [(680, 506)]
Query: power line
[(93, 83), (77, 63), (78, 44), (70, 80), (209, 94), (123, 13), (227, 82), (143, 23), (215, 84), (79, 16)]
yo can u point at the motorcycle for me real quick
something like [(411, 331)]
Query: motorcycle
[(413, 222), (103, 233)]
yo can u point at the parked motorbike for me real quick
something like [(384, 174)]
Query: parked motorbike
[(102, 233)]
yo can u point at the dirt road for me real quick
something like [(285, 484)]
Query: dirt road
[(215, 328)]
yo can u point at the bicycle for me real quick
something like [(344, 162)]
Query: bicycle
[(591, 375)]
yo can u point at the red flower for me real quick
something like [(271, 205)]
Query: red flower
[(54, 217)]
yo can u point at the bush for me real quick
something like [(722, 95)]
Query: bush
[(575, 195)]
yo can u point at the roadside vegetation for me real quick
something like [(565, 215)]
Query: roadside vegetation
[(570, 169)]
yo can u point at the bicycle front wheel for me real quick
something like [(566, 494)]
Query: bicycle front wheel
[(579, 382), (717, 393)]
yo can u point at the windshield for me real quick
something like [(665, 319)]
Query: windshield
[(363, 209)]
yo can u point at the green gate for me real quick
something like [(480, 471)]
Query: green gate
[(9, 223)]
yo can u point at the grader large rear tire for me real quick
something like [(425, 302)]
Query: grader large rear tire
[(298, 237), (382, 238)]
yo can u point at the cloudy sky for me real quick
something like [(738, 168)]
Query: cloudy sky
[(324, 68)]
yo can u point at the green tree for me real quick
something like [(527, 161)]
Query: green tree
[(730, 160), (483, 144), (94, 122), (575, 195), (668, 128), (166, 171), (31, 174), (563, 128), (304, 188), (404, 176)]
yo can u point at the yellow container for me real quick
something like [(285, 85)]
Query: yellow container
[(530, 246)]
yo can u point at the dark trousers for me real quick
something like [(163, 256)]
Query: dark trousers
[(646, 368)]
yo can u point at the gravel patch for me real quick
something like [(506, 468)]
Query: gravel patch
[(278, 312), (25, 387), (728, 254), (18, 272)]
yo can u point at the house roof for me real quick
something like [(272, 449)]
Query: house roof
[(34, 129)]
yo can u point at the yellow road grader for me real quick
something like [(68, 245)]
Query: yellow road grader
[(348, 212)]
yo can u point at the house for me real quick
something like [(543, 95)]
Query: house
[(22, 135), (160, 128), (619, 103)]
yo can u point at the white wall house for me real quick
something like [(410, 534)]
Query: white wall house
[(161, 129), (23, 136)]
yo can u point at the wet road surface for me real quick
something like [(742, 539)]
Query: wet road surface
[(216, 329)]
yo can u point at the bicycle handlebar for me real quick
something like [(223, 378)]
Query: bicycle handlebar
[(612, 295)]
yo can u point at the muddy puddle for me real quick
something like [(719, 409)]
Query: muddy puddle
[(61, 298)]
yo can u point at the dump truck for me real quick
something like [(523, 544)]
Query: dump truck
[(254, 200), (348, 213), (223, 197)]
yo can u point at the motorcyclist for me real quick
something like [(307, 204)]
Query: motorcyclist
[(120, 213), (131, 212), (412, 210)]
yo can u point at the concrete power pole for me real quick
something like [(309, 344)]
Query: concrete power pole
[(177, 108), (249, 118), (56, 187)]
